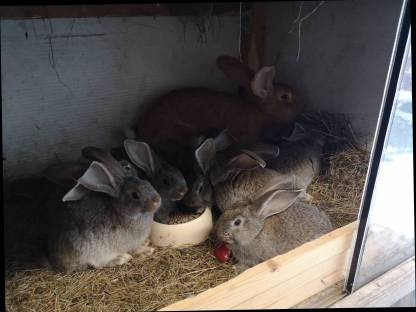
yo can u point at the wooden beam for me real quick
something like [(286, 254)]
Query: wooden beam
[(114, 10), (256, 49), (282, 281), (298, 287), (324, 298), (383, 291), (73, 11)]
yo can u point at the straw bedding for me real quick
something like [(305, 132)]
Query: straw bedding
[(169, 275)]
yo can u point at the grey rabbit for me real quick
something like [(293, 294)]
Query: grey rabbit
[(245, 173), (166, 179), (200, 195), (271, 223), (106, 216), (300, 155), (238, 174)]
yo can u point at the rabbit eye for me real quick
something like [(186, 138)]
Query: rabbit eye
[(237, 222), (135, 195), (200, 189), (165, 182), (284, 96)]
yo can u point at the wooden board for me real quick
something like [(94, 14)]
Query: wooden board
[(282, 281), (385, 290), (324, 298), (154, 9)]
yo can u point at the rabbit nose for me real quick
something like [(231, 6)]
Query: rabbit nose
[(155, 202), (182, 191)]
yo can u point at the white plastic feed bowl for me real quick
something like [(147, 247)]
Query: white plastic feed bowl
[(184, 234)]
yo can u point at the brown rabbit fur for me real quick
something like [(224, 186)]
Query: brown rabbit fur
[(183, 113), (270, 224)]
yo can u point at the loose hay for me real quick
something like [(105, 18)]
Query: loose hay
[(170, 275), (338, 190), (145, 283)]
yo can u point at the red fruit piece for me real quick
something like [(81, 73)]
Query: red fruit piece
[(222, 253)]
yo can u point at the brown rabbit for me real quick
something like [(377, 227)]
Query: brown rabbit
[(183, 113), (272, 223)]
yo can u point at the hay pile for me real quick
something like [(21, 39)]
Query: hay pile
[(338, 189), (143, 284), (169, 275)]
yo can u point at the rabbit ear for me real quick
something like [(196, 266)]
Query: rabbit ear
[(235, 70), (196, 141), (262, 83), (276, 201), (65, 174), (246, 160), (297, 133), (266, 151), (205, 155), (223, 140), (76, 193), (96, 178), (98, 154), (141, 155), (279, 182)]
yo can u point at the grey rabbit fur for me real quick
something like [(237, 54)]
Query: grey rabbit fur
[(270, 224), (106, 216), (247, 172), (300, 155), (200, 194), (166, 179)]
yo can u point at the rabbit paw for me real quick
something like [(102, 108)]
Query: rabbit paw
[(239, 268), (120, 260), (145, 250)]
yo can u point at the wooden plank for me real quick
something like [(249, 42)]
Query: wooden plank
[(385, 290), (407, 301), (256, 49), (271, 273), (307, 290), (298, 287), (154, 9), (71, 11), (324, 298)]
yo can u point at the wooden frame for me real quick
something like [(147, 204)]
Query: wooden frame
[(282, 281), (101, 10), (385, 290)]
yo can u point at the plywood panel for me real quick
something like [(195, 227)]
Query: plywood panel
[(67, 83), (318, 263), (344, 53)]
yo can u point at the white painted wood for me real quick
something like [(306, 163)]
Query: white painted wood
[(67, 83)]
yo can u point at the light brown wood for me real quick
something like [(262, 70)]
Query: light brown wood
[(301, 286), (324, 298), (259, 28), (255, 53), (385, 290), (300, 273)]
